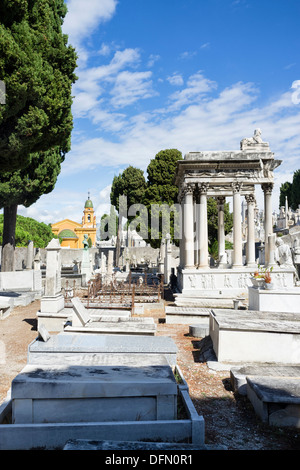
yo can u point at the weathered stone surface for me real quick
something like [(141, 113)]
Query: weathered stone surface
[(81, 444), (107, 349), (276, 400), (64, 394), (239, 374)]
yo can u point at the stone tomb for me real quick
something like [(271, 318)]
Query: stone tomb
[(222, 175), (244, 336), (187, 315), (275, 300), (276, 400), (107, 322), (66, 394), (94, 349), (239, 374)]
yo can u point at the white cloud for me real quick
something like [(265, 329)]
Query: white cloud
[(205, 45), (175, 79), (84, 16), (104, 49), (198, 118), (188, 55), (197, 86), (153, 59), (91, 86), (130, 87)]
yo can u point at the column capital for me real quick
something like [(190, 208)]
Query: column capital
[(203, 188), (188, 188), (220, 200), (250, 198), (267, 188), (236, 186)]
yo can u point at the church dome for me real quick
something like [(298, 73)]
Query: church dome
[(67, 233), (88, 203)]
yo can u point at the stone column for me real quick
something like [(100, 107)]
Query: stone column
[(251, 230), (237, 226), (196, 228), (168, 259), (188, 226), (182, 239), (221, 231), (53, 300), (203, 234), (267, 189), (30, 251)]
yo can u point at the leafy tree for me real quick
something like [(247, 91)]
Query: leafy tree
[(292, 191), (24, 187), (29, 229), (109, 225), (127, 189), (212, 220), (285, 191), (161, 195), (295, 190), (160, 182), (37, 67)]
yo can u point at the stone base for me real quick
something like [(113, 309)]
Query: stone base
[(74, 394), (93, 349), (240, 336), (225, 284), (276, 400), (186, 315), (53, 322), (274, 300), (238, 375), (52, 304), (114, 328)]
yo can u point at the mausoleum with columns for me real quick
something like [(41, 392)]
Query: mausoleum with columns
[(223, 175)]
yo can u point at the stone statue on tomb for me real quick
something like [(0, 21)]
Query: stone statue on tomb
[(283, 254), (85, 242), (254, 142)]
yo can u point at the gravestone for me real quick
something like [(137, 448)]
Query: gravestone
[(86, 264), (87, 349), (52, 314), (29, 259), (60, 394)]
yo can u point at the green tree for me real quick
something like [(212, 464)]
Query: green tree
[(109, 225), (285, 191), (37, 67), (160, 181), (30, 229), (127, 189), (212, 220), (24, 187), (161, 195), (295, 191)]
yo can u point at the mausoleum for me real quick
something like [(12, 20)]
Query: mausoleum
[(223, 175)]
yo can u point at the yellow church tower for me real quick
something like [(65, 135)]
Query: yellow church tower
[(72, 233)]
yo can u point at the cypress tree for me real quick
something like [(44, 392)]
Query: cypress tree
[(37, 66)]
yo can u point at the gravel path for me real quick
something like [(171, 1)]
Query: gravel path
[(230, 420)]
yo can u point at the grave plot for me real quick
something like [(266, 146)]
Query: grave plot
[(99, 387)]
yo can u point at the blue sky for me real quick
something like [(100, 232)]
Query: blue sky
[(186, 74)]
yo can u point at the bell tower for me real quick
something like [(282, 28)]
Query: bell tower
[(89, 218)]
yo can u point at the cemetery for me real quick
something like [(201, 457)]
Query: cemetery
[(101, 371)]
